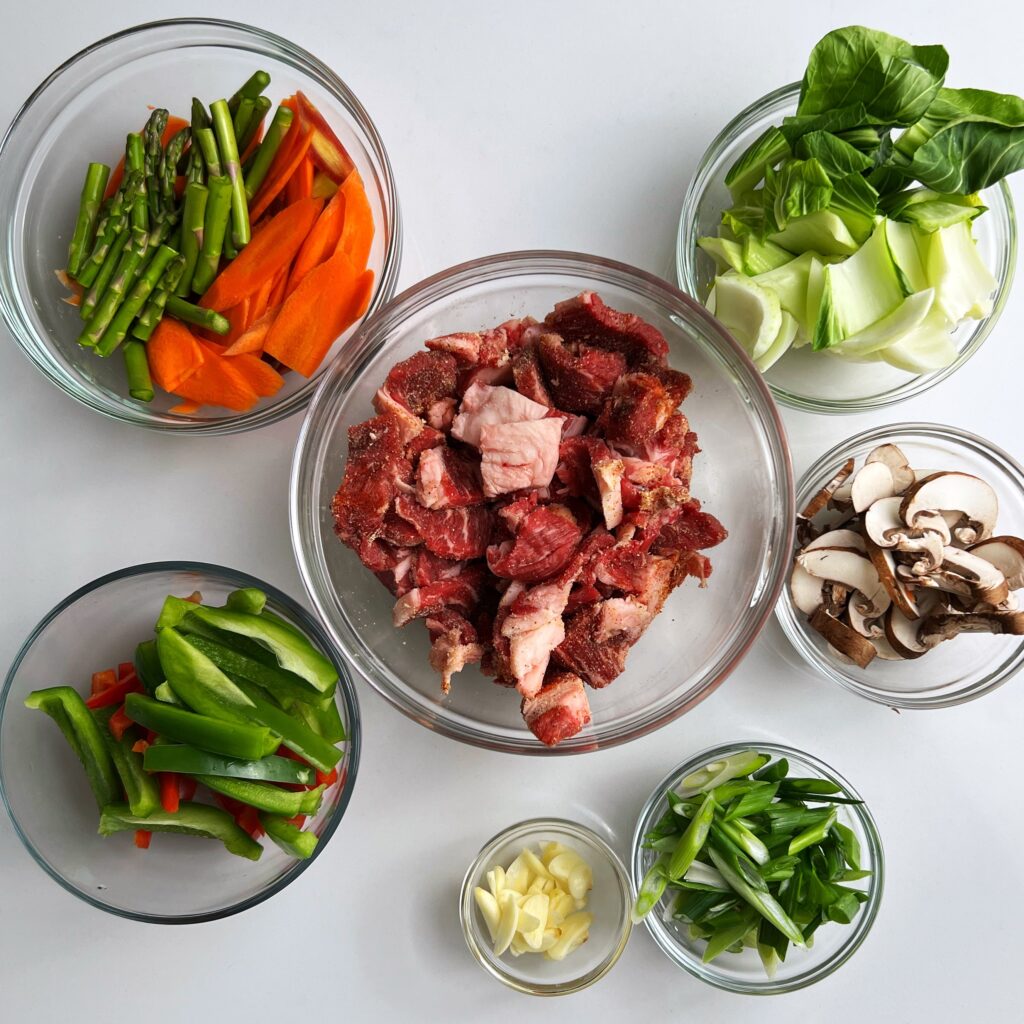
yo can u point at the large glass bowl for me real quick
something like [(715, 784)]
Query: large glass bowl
[(817, 381), (82, 112), (742, 476), (960, 669), (179, 879), (834, 944)]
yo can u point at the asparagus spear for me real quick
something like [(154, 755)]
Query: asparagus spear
[(228, 146), (112, 298), (192, 232), (135, 160), (140, 384), (215, 224), (88, 213), (208, 147), (153, 135), (268, 148), (135, 300), (262, 108), (252, 87), (106, 271), (169, 166), (108, 232), (200, 118), (180, 309), (242, 117), (154, 310)]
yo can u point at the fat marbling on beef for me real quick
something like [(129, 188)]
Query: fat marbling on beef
[(525, 490)]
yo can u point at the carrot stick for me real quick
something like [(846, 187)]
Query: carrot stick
[(262, 377), (185, 408), (277, 294), (321, 242), (266, 254), (174, 125), (300, 184), (287, 160), (327, 151), (330, 298), (237, 316), (174, 354), (260, 301), (217, 382), (252, 338), (357, 233)]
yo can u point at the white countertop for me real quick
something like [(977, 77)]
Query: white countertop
[(519, 125)]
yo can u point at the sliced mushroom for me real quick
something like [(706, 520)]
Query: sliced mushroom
[(882, 523), (884, 649), (820, 500), (852, 569), (941, 627), (872, 483), (838, 539), (867, 625), (954, 492), (902, 634), (834, 598), (1007, 555), (934, 521), (841, 499), (886, 569), (987, 583), (937, 580), (846, 640), (806, 532), (893, 457), (806, 590)]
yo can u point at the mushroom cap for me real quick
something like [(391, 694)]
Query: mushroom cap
[(945, 626), (872, 482), (953, 492), (851, 568), (893, 457), (885, 568), (1006, 554), (985, 580), (820, 499), (867, 625), (883, 523), (902, 634)]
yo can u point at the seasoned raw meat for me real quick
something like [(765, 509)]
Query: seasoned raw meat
[(446, 478), (587, 318), (559, 710), (483, 404), (525, 490)]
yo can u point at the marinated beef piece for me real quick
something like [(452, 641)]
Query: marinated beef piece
[(586, 318), (526, 491), (559, 710), (449, 532)]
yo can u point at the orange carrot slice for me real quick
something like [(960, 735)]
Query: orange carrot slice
[(174, 354), (321, 242), (357, 233), (185, 408), (327, 151), (292, 152), (300, 184), (272, 249), (330, 298), (262, 377), (174, 125), (217, 382), (251, 340)]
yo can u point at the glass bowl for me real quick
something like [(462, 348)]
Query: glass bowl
[(833, 945), (960, 669), (809, 380), (84, 109), (609, 901), (179, 879), (742, 476)]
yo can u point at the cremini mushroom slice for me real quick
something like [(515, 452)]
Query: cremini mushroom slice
[(849, 567), (884, 649), (954, 492), (902, 634), (867, 625), (889, 576), (841, 499), (935, 522), (834, 598), (820, 500), (838, 539), (945, 626), (872, 482), (845, 639), (987, 583), (883, 522), (893, 457), (1007, 555), (805, 589)]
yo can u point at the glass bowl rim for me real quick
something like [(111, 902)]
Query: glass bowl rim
[(686, 274), (27, 339), (521, 830), (445, 284), (956, 438), (346, 689), (856, 934)]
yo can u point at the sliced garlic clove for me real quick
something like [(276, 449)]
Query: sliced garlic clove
[(537, 885), (575, 930), (551, 850), (496, 881), (517, 875), (562, 865), (581, 880), (518, 947), (548, 940), (534, 863), (508, 923), (489, 911), (535, 908)]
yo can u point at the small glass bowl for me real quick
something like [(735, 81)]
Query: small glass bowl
[(960, 669), (815, 381), (833, 945), (81, 112), (609, 901), (742, 476), (179, 879)]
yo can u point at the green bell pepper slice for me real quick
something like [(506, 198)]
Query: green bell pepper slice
[(190, 819), (292, 651), (173, 611), (250, 600), (294, 734), (188, 760), (83, 733), (323, 719), (278, 682), (147, 666), (287, 835), (265, 796), (232, 739), (164, 693), (140, 788)]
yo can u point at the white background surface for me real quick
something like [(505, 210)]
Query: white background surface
[(517, 125)]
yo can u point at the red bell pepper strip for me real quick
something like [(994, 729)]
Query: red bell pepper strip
[(187, 787), (328, 779), (142, 838), (140, 746), (169, 795), (124, 670), (115, 694), (118, 723), (103, 681)]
